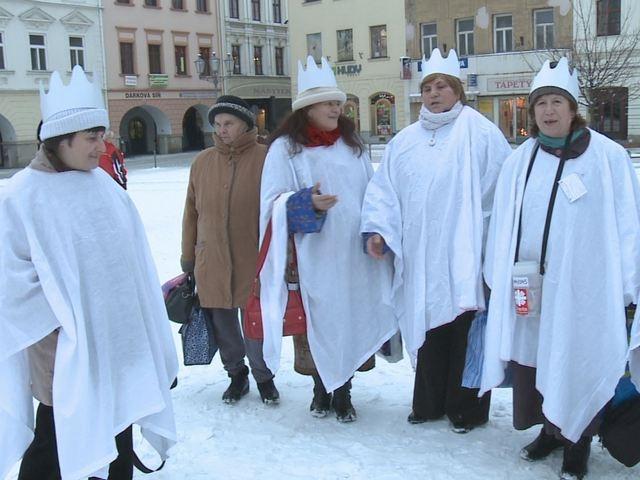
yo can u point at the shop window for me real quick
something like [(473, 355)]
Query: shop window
[(608, 17), (352, 110), (544, 29), (429, 38), (378, 37), (513, 118), (610, 115), (383, 114), (503, 33), (465, 36)]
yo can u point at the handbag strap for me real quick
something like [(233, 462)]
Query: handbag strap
[(264, 248)]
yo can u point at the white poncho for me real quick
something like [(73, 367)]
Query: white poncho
[(592, 272), (342, 287), (74, 257), (431, 205)]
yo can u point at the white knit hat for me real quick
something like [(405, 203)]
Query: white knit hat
[(71, 108), (316, 85)]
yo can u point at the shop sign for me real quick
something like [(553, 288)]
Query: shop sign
[(130, 80), (500, 84), (271, 92), (142, 95), (158, 79), (464, 62), (349, 70)]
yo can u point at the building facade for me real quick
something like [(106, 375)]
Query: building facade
[(501, 45), (255, 57), (36, 38), (364, 41), (157, 100)]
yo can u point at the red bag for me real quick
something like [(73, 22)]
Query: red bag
[(295, 320)]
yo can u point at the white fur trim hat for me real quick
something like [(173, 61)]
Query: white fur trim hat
[(316, 85), (71, 108)]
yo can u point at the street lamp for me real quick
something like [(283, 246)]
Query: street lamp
[(213, 73)]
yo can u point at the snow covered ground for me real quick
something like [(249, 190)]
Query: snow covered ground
[(250, 440)]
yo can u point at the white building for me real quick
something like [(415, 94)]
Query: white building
[(36, 38)]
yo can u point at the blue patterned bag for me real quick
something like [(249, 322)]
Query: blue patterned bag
[(198, 343)]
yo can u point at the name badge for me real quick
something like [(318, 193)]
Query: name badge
[(572, 187)]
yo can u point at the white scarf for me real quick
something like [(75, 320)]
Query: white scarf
[(432, 121)]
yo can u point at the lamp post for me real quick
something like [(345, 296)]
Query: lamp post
[(213, 73)]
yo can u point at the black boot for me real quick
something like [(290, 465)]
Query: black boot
[(541, 447), (575, 459), (321, 403), (239, 386), (269, 393), (342, 404)]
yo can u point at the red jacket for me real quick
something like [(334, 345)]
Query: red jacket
[(112, 162)]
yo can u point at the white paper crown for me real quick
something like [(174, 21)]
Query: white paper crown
[(73, 107), (558, 77), (437, 64), (316, 84)]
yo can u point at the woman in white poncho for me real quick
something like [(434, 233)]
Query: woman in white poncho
[(317, 149), (429, 204), (566, 215)]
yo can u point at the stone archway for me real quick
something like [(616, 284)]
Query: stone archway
[(196, 130), (8, 145), (144, 129)]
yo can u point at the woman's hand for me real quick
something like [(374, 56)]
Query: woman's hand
[(322, 202), (375, 246)]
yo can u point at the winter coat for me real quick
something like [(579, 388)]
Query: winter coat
[(220, 222), (112, 162)]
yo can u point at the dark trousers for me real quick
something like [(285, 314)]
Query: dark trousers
[(40, 461), (438, 387)]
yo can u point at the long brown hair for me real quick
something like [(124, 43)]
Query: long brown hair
[(577, 123), (296, 124)]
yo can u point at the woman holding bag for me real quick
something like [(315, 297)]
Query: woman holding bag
[(313, 183)]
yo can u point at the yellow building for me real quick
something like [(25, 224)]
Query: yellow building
[(364, 41)]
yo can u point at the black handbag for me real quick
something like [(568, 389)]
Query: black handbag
[(179, 297), (620, 431), (198, 342)]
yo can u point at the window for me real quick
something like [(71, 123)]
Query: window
[(378, 36), (255, 10), (2, 66), (608, 17), (465, 36), (181, 59), (155, 58), (150, 3), (38, 58), (126, 58), (314, 46), (177, 4), (205, 53), (76, 51), (257, 59), (124, 2), (234, 9), (277, 11), (235, 56), (345, 45), (202, 6), (543, 24), (279, 56), (503, 33), (611, 112), (429, 38)]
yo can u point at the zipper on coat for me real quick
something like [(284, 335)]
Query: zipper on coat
[(231, 180)]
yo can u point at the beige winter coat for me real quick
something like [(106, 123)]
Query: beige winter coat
[(221, 218)]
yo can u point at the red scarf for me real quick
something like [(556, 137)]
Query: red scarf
[(321, 138)]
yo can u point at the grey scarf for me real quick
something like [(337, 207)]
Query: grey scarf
[(432, 121)]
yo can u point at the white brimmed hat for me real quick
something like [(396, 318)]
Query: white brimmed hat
[(71, 108), (316, 85)]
